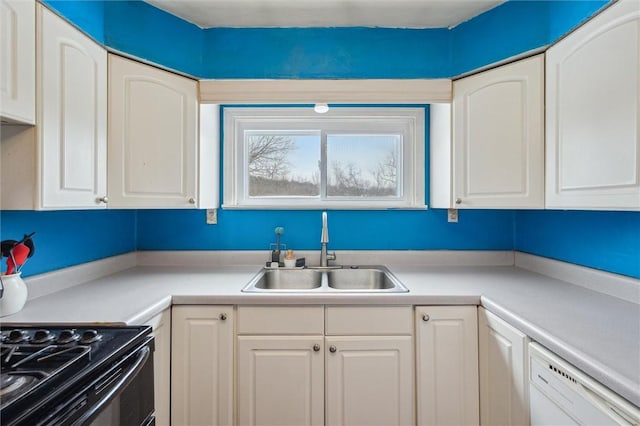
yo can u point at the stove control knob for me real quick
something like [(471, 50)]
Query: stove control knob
[(17, 336), (67, 336), (90, 336), (42, 336)]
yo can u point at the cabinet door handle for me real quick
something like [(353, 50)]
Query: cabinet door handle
[(316, 347), (192, 200), (104, 200), (223, 317), (332, 349), (425, 317), (458, 200)]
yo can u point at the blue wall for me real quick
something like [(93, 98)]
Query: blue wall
[(348, 230), (141, 30), (66, 238), (605, 240), (326, 53), (513, 28)]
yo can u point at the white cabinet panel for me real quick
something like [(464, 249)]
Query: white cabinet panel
[(369, 380), (161, 325), (593, 110), (153, 137), (17, 61), (503, 372), (62, 162), (447, 365), (498, 137), (202, 365), (281, 380), (72, 115)]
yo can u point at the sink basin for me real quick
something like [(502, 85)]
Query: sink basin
[(285, 279), (364, 279), (375, 279)]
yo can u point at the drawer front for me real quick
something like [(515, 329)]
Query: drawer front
[(369, 320), (280, 320)]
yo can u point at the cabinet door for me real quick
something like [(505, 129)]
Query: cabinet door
[(18, 61), (498, 145), (161, 324), (593, 108), (370, 380), (72, 102), (447, 362), (503, 372), (202, 365), (153, 117), (280, 380)]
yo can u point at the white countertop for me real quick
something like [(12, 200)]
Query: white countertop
[(599, 334)]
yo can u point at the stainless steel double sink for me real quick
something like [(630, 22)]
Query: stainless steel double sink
[(359, 279)]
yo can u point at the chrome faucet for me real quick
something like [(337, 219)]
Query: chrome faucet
[(325, 257)]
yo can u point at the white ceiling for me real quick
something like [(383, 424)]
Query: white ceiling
[(326, 13)]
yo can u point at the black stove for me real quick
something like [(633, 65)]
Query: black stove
[(54, 374)]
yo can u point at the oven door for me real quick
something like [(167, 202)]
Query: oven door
[(122, 395)]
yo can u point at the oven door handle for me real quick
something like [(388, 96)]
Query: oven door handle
[(143, 356)]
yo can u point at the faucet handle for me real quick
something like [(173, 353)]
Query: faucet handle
[(331, 256)]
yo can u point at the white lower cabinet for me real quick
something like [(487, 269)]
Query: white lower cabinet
[(341, 365), (503, 372), (202, 365), (447, 365), (315, 376), (161, 333), (369, 380), (281, 380)]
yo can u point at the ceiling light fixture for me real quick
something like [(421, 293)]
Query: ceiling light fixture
[(321, 108)]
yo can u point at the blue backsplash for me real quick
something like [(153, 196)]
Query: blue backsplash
[(604, 240), (348, 230), (67, 238)]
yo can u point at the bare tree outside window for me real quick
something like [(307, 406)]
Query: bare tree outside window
[(386, 174), (271, 168), (363, 165)]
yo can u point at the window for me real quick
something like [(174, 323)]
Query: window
[(351, 158)]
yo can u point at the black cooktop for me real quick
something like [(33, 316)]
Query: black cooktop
[(43, 362)]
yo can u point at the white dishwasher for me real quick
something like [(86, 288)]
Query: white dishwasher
[(560, 394)]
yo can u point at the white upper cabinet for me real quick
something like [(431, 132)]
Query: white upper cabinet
[(62, 162), (17, 61), (153, 138), (498, 138), (593, 110), (72, 115)]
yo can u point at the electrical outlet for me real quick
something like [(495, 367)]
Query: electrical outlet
[(212, 216), (452, 215)]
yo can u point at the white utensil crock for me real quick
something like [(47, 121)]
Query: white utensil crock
[(14, 295)]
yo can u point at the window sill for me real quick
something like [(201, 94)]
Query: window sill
[(324, 206)]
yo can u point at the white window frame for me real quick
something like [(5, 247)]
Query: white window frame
[(410, 121)]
